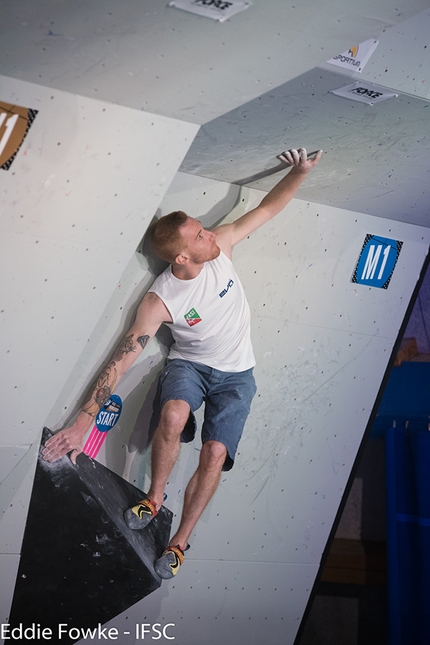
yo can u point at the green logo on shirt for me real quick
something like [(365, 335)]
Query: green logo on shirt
[(192, 317)]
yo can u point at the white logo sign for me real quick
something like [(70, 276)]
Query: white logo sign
[(356, 57), (365, 93), (216, 9)]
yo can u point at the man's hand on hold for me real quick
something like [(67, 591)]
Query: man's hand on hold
[(69, 440), (299, 160)]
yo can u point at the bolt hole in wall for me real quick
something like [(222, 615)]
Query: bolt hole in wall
[(350, 603)]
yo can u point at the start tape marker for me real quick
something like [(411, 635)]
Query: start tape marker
[(105, 421)]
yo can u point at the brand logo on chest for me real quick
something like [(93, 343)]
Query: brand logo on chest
[(224, 291)]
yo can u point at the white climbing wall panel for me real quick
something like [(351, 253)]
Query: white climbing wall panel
[(76, 201)]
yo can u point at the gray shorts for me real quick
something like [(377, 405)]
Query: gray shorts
[(227, 397)]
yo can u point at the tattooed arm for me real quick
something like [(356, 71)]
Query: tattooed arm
[(106, 381), (150, 315)]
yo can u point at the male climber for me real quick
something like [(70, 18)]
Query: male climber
[(199, 296)]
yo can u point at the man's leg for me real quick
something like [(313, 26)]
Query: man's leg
[(200, 490), (166, 446), (165, 451), (227, 405)]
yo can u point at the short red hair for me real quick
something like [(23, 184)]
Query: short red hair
[(166, 238)]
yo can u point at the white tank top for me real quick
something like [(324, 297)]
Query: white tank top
[(211, 317)]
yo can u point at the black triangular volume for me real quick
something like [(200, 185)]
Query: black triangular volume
[(80, 564)]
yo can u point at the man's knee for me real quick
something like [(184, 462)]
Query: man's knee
[(174, 415), (213, 454)]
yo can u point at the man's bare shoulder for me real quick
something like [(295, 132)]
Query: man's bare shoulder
[(153, 306)]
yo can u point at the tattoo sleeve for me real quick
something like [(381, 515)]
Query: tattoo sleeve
[(125, 347), (105, 383)]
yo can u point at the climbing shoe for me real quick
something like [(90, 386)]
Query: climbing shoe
[(168, 565), (140, 515)]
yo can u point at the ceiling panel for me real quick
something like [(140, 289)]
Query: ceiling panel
[(145, 55), (376, 157), (259, 82)]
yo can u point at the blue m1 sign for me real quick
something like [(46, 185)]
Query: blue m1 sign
[(377, 260)]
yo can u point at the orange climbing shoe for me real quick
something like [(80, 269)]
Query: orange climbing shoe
[(168, 565), (140, 515)]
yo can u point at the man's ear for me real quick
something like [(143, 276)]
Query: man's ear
[(181, 259)]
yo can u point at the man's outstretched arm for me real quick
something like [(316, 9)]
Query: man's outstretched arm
[(150, 315), (273, 203)]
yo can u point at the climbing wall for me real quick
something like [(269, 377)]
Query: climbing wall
[(109, 90), (322, 344)]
